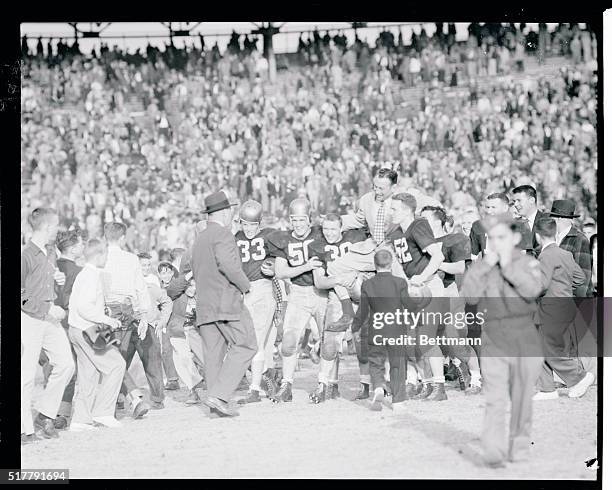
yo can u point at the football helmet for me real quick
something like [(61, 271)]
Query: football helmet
[(251, 212), (299, 207)]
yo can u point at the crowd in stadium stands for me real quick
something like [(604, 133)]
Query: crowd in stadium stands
[(206, 121)]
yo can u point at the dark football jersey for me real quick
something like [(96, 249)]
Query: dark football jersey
[(328, 252), (253, 252), (295, 251), (478, 236), (410, 246), (455, 247)]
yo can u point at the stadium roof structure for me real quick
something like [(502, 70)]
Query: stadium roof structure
[(285, 35), (123, 30)]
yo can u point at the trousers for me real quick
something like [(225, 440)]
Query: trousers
[(99, 378), (229, 347), (509, 378), (51, 338)]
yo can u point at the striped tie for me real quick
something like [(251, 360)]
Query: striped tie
[(379, 228)]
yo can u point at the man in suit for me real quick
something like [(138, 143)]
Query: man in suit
[(526, 203), (556, 314), (381, 295), (582, 335), (571, 239), (495, 204), (225, 325)]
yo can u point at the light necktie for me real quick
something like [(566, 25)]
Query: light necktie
[(379, 227)]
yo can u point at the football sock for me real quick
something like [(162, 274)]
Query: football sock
[(347, 307)]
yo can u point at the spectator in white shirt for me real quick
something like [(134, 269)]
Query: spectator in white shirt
[(99, 372), (127, 296)]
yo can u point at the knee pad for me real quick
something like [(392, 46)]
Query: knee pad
[(289, 343), (328, 347)]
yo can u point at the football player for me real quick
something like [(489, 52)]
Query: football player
[(292, 261), (456, 251), (420, 256), (332, 245), (253, 246), (495, 204)]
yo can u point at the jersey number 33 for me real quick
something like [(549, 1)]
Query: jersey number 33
[(252, 250)]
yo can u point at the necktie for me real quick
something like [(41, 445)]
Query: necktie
[(379, 228)]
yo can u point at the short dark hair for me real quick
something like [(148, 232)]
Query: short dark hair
[(40, 216), (546, 227), (67, 239), (498, 195), (94, 247), (387, 173), (165, 266), (407, 199), (438, 213), (383, 259), (177, 252), (144, 255), (526, 189), (114, 231), (332, 217)]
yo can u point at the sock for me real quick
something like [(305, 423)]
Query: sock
[(387, 371), (325, 369), (364, 379), (257, 372), (379, 391), (333, 376), (289, 364), (305, 339), (411, 374), (347, 307)]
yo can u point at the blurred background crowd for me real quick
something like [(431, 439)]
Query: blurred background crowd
[(142, 137)]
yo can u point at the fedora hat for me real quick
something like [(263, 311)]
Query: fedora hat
[(563, 208), (216, 202)]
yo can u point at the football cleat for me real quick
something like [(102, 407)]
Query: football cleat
[(252, 397), (364, 392), (425, 392), (193, 398), (284, 393), (269, 384), (474, 390), (437, 393), (318, 395), (332, 391), (60, 422), (314, 356), (463, 375), (244, 384), (412, 391), (251, 212)]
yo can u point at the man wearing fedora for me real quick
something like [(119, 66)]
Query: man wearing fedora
[(571, 239), (226, 328), (574, 241)]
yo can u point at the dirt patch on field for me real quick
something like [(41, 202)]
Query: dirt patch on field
[(336, 439)]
